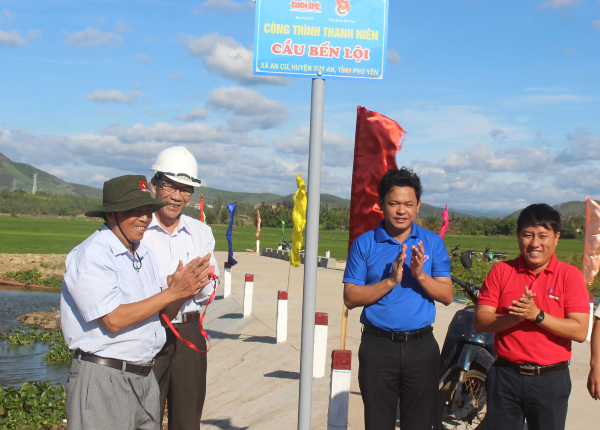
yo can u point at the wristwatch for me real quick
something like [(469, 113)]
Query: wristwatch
[(540, 317)]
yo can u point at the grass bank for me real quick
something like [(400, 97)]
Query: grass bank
[(48, 235)]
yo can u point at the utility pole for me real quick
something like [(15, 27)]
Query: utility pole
[(34, 189)]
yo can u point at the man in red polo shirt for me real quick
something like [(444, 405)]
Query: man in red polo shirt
[(536, 305)]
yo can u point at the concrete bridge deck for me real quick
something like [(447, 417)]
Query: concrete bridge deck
[(253, 382)]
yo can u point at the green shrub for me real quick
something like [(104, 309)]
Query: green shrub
[(59, 350), (33, 276), (35, 405), (480, 269)]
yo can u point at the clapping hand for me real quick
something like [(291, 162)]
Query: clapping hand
[(525, 307), (398, 266), (417, 260), (188, 280)]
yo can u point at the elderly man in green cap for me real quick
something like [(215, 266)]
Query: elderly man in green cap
[(111, 299)]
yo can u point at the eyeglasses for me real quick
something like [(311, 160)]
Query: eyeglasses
[(170, 188)]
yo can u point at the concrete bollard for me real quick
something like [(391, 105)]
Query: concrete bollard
[(339, 390), (327, 254), (591, 323), (257, 246), (227, 281), (282, 316), (248, 290), (320, 352)]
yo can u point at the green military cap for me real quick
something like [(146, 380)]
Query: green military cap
[(124, 193)]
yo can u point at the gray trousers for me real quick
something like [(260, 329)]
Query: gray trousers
[(102, 398)]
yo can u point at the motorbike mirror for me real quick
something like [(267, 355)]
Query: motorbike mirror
[(465, 259)]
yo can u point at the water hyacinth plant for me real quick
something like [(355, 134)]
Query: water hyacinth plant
[(33, 406)]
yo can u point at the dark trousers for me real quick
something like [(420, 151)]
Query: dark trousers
[(389, 371), (181, 375), (541, 399)]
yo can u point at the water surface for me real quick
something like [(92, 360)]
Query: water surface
[(19, 363)]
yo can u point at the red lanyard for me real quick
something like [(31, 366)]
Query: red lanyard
[(212, 277)]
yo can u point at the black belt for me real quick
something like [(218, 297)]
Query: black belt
[(399, 336), (138, 369), (187, 317), (530, 368)]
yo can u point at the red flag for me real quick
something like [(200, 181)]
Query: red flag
[(201, 208), (446, 222), (376, 143)]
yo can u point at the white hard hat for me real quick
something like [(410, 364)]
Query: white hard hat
[(177, 164)]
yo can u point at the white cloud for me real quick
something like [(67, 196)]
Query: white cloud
[(121, 27), (176, 75), (546, 89), (250, 105), (227, 159), (99, 178), (14, 39), (190, 133), (57, 172), (455, 124), (477, 177), (393, 57), (338, 150), (568, 51), (225, 56), (526, 159), (229, 6), (142, 58), (92, 37), (545, 99), (193, 115), (114, 96), (558, 4), (596, 23), (512, 177), (8, 16), (582, 148)]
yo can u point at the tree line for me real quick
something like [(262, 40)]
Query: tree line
[(43, 203), (572, 227), (330, 218)]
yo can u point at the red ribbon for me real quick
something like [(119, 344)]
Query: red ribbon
[(212, 277)]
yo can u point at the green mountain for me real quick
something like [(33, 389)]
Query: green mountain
[(212, 196), (19, 176), (566, 210), (428, 210), (326, 199), (486, 214)]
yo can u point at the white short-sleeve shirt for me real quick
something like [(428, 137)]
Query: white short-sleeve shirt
[(100, 276), (190, 239)]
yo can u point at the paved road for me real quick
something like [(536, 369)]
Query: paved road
[(253, 383)]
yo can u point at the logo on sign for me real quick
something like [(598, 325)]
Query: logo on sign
[(144, 186), (305, 6), (342, 7)]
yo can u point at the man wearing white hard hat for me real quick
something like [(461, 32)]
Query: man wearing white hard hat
[(173, 237)]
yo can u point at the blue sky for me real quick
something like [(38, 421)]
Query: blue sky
[(500, 100)]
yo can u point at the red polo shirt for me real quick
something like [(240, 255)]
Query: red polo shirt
[(559, 288)]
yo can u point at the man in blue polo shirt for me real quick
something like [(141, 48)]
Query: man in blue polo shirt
[(396, 271)]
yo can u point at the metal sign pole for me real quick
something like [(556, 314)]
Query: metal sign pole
[(309, 302)]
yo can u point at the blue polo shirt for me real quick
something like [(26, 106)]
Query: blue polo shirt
[(407, 306)]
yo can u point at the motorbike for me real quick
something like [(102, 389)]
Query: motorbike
[(465, 360), (493, 256), (454, 251)]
